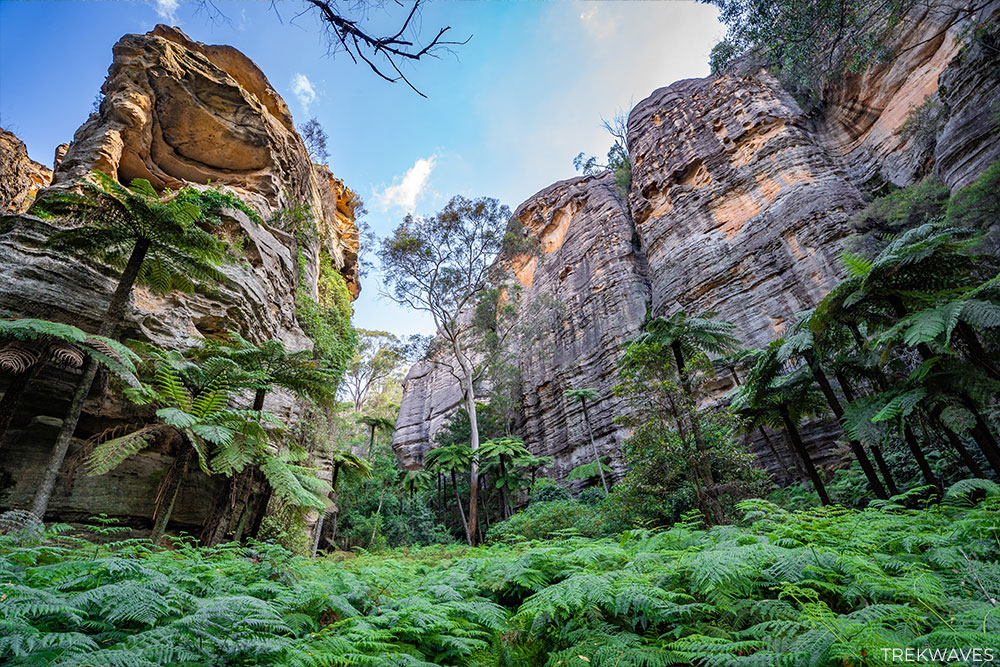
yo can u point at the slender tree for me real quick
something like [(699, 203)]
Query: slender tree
[(192, 410), (781, 400), (451, 460), (505, 451), (342, 462), (583, 395), (375, 424), (800, 343), (154, 241), (444, 265)]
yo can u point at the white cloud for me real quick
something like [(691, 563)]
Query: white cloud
[(167, 10), (303, 90), (405, 193), (597, 23)]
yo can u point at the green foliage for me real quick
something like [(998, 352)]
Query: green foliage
[(589, 470), (108, 352), (327, 321), (213, 201), (818, 587), (545, 520), (806, 44), (546, 490), (116, 219)]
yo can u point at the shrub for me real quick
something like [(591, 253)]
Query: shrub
[(547, 490), (540, 521)]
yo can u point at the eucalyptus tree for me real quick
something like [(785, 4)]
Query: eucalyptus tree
[(444, 265), (451, 460), (377, 358), (584, 395), (154, 241)]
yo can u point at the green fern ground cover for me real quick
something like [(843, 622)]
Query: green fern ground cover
[(830, 586)]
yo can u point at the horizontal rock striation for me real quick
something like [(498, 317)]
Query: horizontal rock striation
[(738, 203), (179, 114), (20, 177)]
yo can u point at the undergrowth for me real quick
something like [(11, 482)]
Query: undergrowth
[(830, 586)]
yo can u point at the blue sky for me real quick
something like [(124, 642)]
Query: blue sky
[(504, 116)]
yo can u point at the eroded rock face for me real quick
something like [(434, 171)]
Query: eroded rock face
[(179, 114), (864, 116), (738, 204), (20, 177)]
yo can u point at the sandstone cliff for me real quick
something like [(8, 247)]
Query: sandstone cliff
[(177, 113), (20, 177), (738, 204)]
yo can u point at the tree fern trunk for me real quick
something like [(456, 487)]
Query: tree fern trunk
[(859, 452), (172, 489), (318, 532), (800, 448), (963, 454), (883, 467), (978, 355), (699, 437), (981, 432), (43, 495), (777, 456), (918, 456), (113, 318), (593, 445), (461, 512), (984, 438)]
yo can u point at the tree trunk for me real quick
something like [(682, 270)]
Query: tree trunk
[(918, 456), (977, 355), (378, 513), (984, 438), (461, 512), (470, 406), (800, 449), (113, 318), (980, 432), (235, 496), (505, 509), (175, 475), (777, 455), (963, 454), (318, 532), (371, 443), (859, 452), (699, 438), (593, 445), (883, 467)]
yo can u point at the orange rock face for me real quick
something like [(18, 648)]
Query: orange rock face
[(738, 203)]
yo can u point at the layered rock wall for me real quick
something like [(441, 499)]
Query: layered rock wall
[(20, 177), (738, 203), (180, 114)]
